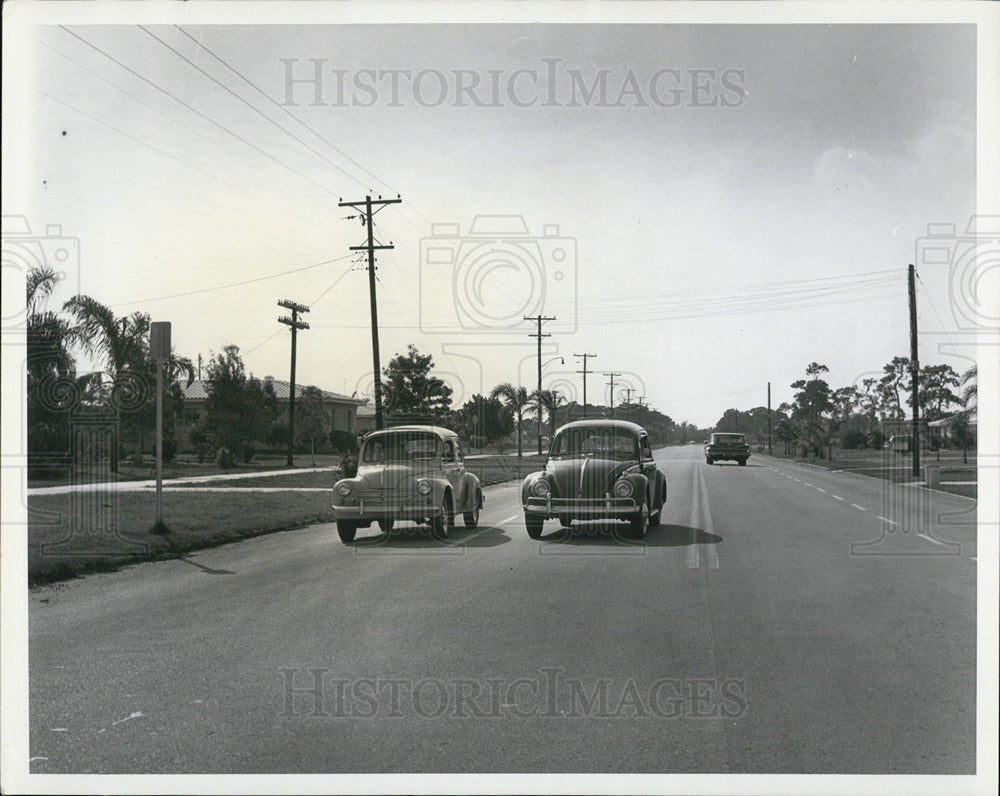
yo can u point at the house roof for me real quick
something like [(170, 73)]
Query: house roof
[(198, 390)]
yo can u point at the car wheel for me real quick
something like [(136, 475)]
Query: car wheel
[(640, 521), (471, 518), (386, 525), (444, 523), (708, 460), (654, 519), (346, 529), (533, 524), (565, 520), (743, 462)]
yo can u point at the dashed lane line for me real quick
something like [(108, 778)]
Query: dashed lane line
[(886, 519), (859, 508), (930, 538), (837, 497)]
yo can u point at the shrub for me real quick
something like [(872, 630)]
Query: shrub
[(343, 441), (169, 450), (224, 459), (348, 464), (248, 452), (853, 440)]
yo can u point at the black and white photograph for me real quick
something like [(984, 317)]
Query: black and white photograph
[(417, 397)]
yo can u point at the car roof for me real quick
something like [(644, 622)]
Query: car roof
[(624, 425), (437, 430)]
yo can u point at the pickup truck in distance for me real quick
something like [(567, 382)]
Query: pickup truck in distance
[(732, 447)]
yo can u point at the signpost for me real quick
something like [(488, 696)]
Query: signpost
[(159, 349)]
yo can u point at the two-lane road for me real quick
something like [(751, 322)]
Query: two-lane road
[(781, 619)]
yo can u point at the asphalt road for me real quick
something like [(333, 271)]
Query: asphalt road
[(782, 619)]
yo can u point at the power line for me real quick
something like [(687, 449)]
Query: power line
[(231, 284), (291, 115), (196, 111)]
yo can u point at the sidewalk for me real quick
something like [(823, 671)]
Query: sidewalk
[(129, 486)]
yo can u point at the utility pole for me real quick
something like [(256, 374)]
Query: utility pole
[(612, 394), (641, 399), (585, 372), (769, 417), (370, 247), (296, 324), (628, 395), (539, 319), (914, 369)]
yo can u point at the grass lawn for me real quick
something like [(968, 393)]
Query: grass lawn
[(956, 477), (80, 532), (72, 534)]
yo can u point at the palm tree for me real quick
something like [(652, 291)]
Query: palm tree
[(970, 394), (550, 401), (121, 346), (514, 399)]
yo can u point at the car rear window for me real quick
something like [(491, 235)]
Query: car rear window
[(728, 439)]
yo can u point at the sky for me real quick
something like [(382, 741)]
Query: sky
[(739, 201)]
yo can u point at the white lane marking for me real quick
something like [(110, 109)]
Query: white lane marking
[(711, 549), (136, 715), (973, 559), (837, 497), (33, 759), (820, 488), (58, 729), (859, 508), (797, 479), (929, 538), (807, 483), (693, 555), (886, 519)]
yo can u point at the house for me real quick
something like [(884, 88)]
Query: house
[(342, 410)]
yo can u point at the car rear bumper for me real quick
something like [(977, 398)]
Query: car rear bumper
[(599, 508)]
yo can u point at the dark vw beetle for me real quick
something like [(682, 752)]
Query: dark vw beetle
[(596, 469)]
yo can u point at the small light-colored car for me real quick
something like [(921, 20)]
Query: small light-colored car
[(596, 469), (414, 473)]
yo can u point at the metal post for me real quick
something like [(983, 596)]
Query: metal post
[(914, 369)]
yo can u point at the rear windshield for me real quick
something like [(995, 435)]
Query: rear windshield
[(402, 447), (728, 439)]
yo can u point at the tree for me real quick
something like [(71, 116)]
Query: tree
[(896, 378), (970, 394), (238, 408), (551, 401), (311, 418), (812, 401), (514, 399), (486, 418), (410, 388), (934, 390)]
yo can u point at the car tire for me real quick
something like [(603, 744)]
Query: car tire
[(386, 524), (346, 530), (743, 462), (533, 525), (471, 518), (565, 520), (444, 523), (654, 519), (639, 522), (709, 460)]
